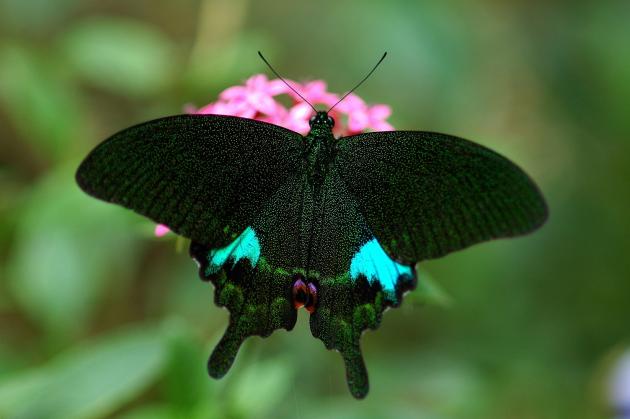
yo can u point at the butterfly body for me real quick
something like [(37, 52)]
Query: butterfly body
[(280, 221)]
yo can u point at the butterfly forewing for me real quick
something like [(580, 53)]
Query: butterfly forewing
[(204, 176), (426, 194)]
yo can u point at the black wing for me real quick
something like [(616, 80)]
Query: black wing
[(204, 176), (425, 194)]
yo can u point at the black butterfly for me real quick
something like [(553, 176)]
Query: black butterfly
[(278, 220)]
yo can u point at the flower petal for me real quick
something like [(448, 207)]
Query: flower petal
[(263, 103), (161, 230), (351, 103), (233, 92), (257, 82), (381, 126), (315, 88), (277, 87), (380, 111), (358, 120), (301, 111)]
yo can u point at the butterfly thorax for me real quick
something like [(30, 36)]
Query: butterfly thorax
[(321, 147)]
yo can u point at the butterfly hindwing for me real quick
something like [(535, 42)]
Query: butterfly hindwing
[(253, 275), (204, 176), (426, 194), (257, 297)]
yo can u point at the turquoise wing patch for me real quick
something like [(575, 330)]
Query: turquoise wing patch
[(245, 246), (372, 261)]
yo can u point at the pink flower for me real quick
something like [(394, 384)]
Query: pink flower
[(377, 116), (298, 117), (161, 230), (362, 117), (315, 92), (256, 96), (257, 99)]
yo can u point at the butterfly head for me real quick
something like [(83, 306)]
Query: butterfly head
[(321, 120)]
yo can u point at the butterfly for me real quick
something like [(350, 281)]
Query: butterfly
[(279, 221)]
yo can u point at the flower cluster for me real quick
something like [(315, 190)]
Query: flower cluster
[(259, 99)]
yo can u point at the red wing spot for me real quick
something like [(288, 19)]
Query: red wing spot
[(304, 295), (311, 304), (300, 293)]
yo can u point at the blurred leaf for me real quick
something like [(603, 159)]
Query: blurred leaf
[(428, 292), (41, 101), (34, 15), (149, 411), (69, 248), (187, 381), (605, 41), (89, 381), (213, 68), (260, 387), (121, 55), (10, 360)]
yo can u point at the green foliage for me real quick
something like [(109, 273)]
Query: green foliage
[(261, 388), (121, 55), (427, 292), (34, 15), (41, 101), (57, 271), (89, 381)]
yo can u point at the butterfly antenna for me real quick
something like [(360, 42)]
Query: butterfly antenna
[(359, 83), (285, 82)]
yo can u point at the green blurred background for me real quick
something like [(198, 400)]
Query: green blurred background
[(98, 318)]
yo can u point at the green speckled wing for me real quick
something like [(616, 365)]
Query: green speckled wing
[(204, 176), (253, 275), (257, 296), (315, 233), (425, 194), (356, 280)]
